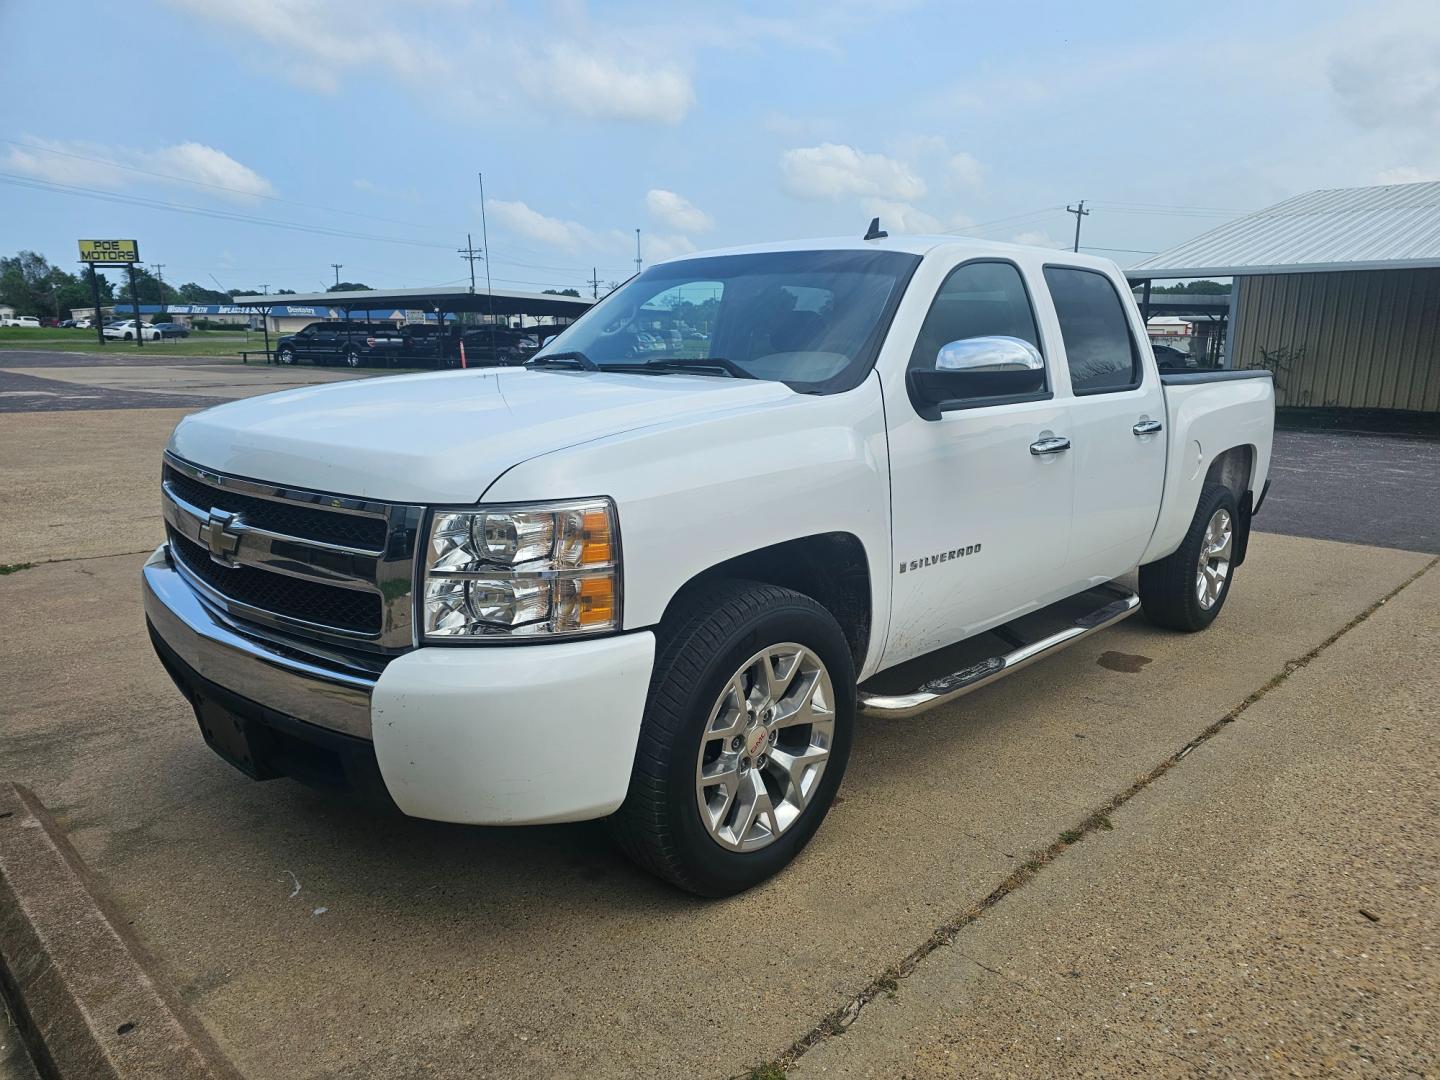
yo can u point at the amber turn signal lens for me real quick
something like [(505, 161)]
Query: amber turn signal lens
[(596, 547), (597, 600)]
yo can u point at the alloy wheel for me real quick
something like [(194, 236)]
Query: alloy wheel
[(1213, 569), (766, 743)]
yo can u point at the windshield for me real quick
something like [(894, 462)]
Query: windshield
[(812, 319)]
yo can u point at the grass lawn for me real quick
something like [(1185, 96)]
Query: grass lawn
[(199, 343)]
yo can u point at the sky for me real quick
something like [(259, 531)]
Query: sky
[(251, 142)]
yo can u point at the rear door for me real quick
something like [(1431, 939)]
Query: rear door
[(1117, 413)]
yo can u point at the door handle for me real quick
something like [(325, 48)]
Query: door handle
[(1148, 427), (1051, 444)]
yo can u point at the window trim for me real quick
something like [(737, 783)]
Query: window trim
[(1137, 362), (966, 404)]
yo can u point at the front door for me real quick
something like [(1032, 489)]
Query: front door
[(980, 500), (1117, 418)]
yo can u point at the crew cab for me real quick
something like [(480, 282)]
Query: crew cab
[(660, 587), (351, 343), (26, 321)]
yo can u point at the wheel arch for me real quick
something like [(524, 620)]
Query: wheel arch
[(831, 568), (1234, 468)]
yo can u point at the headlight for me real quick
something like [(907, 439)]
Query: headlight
[(522, 571)]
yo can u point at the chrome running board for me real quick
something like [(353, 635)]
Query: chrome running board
[(1117, 603)]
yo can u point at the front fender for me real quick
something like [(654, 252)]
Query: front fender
[(697, 493)]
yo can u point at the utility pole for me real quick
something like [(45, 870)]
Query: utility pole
[(469, 254), (489, 289), (160, 276), (265, 290), (1079, 212), (594, 283), (637, 251), (338, 267)]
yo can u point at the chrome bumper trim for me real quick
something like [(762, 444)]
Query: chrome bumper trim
[(253, 668)]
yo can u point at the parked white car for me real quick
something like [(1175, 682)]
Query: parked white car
[(659, 587), (126, 330), (21, 320)]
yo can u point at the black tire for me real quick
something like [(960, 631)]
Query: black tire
[(354, 360), (1168, 589), (700, 647), (285, 356)]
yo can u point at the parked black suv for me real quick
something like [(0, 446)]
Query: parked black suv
[(355, 344), (429, 344), (497, 346)]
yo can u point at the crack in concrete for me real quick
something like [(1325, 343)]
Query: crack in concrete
[(836, 1022)]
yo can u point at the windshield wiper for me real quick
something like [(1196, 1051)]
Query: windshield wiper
[(685, 365), (573, 357)]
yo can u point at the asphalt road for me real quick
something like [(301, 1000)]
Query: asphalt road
[(1382, 490), (118, 356), (30, 393)]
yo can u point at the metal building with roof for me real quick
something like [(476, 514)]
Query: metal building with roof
[(1338, 291)]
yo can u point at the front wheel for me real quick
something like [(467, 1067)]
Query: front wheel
[(744, 741), (353, 359), (286, 356), (1186, 589)]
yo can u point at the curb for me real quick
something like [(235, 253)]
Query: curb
[(83, 991)]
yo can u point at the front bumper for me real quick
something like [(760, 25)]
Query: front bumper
[(518, 734)]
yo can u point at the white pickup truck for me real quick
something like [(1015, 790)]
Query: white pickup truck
[(658, 587)]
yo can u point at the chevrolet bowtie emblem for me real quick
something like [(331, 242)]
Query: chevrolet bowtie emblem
[(221, 534)]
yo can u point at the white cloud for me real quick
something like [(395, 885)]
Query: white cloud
[(900, 217), (658, 246), (522, 219), (964, 171), (1036, 238), (97, 165), (595, 85), (327, 41), (1391, 81), (677, 211), (834, 170)]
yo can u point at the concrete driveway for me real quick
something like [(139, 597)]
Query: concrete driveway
[(316, 937)]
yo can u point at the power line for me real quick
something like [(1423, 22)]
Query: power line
[(208, 184), (221, 215)]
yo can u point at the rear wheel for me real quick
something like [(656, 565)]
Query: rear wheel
[(745, 738), (354, 359), (1186, 589)]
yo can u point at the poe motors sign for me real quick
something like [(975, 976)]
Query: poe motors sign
[(114, 252), (121, 253)]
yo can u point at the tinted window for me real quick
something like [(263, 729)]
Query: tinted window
[(979, 299), (1098, 347)]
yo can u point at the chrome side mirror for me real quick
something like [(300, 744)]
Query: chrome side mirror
[(977, 371), (989, 354)]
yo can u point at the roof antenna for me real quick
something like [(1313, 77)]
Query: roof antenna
[(875, 232)]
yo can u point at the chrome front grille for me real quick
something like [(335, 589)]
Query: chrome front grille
[(317, 566)]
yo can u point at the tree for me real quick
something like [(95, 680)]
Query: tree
[(561, 292), (1202, 288), (348, 286), (24, 282), (192, 293)]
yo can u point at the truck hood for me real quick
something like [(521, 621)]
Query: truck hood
[(443, 437)]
